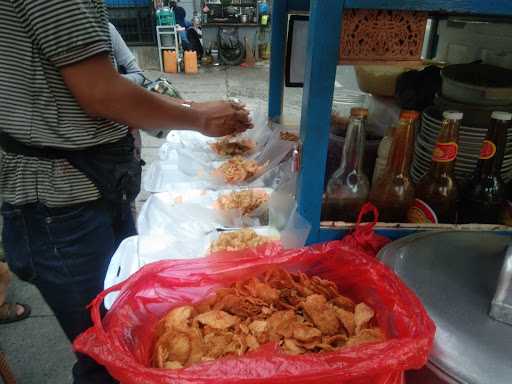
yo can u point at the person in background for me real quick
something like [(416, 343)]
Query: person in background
[(67, 173), (179, 13), (180, 16), (126, 65), (124, 59)]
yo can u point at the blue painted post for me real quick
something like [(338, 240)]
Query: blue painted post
[(480, 7), (322, 59), (277, 57)]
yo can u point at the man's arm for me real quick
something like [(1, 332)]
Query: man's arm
[(71, 35), (102, 92)]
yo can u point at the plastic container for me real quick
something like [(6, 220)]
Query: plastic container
[(170, 61), (191, 62)]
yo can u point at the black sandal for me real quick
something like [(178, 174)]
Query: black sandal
[(8, 313)]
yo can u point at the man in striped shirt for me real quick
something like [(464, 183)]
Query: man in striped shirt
[(59, 89)]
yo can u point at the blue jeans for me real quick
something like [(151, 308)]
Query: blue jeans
[(65, 253)]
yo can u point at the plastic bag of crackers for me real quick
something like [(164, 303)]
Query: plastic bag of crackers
[(330, 312)]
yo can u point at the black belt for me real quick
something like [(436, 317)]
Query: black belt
[(112, 167)]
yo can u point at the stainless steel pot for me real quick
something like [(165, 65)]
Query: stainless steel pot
[(456, 274), (244, 19), (477, 84)]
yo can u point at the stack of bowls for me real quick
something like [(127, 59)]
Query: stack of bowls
[(470, 142)]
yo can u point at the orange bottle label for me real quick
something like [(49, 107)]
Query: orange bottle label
[(488, 150), (421, 213), (445, 152)]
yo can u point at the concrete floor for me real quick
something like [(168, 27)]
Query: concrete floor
[(36, 348)]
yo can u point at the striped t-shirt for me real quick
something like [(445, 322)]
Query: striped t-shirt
[(37, 37)]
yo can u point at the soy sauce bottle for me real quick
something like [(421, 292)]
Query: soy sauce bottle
[(484, 198), (437, 192)]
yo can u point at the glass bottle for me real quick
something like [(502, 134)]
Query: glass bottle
[(437, 191), (393, 193), (485, 197), (347, 189)]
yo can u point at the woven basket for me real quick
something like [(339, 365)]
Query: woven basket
[(371, 36)]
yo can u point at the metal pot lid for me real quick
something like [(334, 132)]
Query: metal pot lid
[(454, 274)]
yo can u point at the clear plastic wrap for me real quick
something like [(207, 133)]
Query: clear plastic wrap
[(155, 209), (197, 165)]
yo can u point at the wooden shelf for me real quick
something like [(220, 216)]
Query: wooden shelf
[(320, 73)]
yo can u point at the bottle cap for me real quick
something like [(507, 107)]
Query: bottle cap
[(409, 115), (504, 116), (359, 112), (453, 115)]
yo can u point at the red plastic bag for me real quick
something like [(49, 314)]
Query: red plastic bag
[(123, 342), (364, 238)]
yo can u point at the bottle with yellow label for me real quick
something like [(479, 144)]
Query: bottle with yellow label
[(485, 196), (437, 191)]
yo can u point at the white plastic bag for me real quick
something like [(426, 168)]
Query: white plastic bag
[(181, 221), (163, 176), (137, 251)]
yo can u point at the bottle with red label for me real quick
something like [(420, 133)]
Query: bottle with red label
[(437, 191), (484, 198), (393, 192)]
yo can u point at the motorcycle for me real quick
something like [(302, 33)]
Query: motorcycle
[(231, 49)]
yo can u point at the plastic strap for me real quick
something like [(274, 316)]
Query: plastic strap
[(364, 231), (94, 306)]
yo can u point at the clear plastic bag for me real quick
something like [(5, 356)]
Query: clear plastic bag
[(200, 145), (198, 166)]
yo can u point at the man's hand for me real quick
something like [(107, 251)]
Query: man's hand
[(102, 92), (221, 118)]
